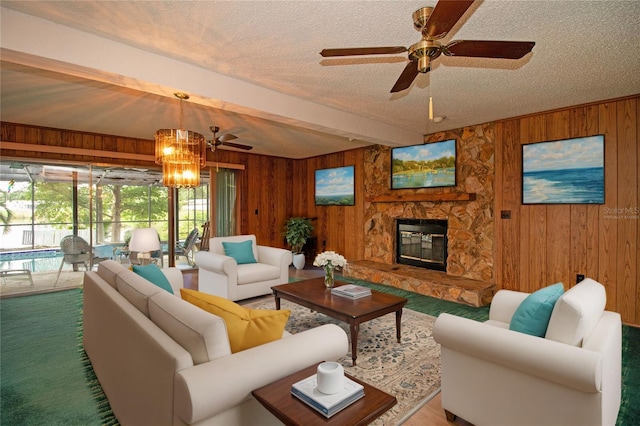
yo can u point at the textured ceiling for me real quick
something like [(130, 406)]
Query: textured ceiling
[(253, 67)]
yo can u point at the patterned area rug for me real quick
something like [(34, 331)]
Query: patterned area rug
[(409, 370)]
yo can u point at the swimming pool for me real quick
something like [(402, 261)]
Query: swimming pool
[(34, 260)]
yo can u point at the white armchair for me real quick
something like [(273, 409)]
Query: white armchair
[(494, 376), (221, 275)]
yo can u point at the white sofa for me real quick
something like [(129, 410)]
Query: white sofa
[(163, 361), (572, 376), (223, 276)]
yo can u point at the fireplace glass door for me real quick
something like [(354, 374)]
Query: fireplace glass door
[(422, 243)]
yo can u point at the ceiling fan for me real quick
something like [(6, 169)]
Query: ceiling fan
[(435, 23), (223, 140)]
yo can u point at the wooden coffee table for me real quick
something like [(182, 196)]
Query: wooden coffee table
[(313, 295), (276, 397)]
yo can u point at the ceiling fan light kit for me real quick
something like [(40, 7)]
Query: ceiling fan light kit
[(434, 23)]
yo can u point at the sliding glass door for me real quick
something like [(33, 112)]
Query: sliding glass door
[(40, 204)]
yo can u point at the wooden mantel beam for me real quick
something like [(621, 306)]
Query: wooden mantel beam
[(403, 198)]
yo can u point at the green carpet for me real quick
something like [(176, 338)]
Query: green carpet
[(46, 378), (425, 304), (630, 407)]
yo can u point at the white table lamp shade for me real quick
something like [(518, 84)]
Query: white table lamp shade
[(144, 240)]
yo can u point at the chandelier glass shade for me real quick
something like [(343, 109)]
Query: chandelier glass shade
[(182, 154)]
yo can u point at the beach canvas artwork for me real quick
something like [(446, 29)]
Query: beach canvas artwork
[(569, 171), (428, 165), (335, 187)]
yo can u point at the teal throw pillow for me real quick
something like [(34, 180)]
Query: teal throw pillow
[(153, 274), (533, 314), (241, 252)]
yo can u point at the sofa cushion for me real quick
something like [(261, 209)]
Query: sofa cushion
[(246, 327), (215, 243), (577, 312), (533, 314), (242, 252), (108, 270), (136, 289), (250, 273), (154, 275), (203, 335)]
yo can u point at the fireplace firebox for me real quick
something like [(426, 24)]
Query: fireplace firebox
[(422, 243)]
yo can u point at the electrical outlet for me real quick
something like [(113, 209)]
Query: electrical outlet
[(505, 214), (579, 278)]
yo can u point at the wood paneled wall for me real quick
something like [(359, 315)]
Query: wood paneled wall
[(114, 149), (544, 244), (266, 198), (337, 228)]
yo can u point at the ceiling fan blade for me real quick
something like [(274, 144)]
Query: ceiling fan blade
[(489, 49), (444, 17), (237, 145), (353, 51), (406, 78), (227, 137)]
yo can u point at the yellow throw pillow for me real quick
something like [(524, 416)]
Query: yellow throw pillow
[(246, 327)]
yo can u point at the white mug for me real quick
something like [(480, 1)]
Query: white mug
[(330, 377)]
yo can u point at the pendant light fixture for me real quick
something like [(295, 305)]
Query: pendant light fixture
[(181, 152)]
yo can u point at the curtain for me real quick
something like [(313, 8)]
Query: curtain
[(225, 203)]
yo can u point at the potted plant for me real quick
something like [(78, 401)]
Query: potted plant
[(296, 232)]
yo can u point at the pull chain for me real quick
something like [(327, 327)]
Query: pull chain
[(430, 108), (430, 97)]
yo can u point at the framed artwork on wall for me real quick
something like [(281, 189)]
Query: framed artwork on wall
[(428, 165), (335, 187), (569, 171)]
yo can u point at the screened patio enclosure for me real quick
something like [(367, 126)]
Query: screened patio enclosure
[(40, 204)]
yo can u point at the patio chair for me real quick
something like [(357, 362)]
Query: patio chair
[(186, 249), (204, 240), (75, 251)]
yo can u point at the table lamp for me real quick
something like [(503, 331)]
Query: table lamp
[(144, 240)]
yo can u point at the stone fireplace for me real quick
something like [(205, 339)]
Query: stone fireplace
[(422, 243), (467, 259), (470, 221)]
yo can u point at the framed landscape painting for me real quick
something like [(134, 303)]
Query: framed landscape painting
[(335, 187), (429, 165), (569, 171)]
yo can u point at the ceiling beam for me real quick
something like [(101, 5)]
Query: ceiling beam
[(35, 42)]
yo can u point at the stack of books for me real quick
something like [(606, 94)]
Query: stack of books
[(351, 291), (327, 405)]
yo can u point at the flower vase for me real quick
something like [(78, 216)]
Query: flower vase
[(328, 277)]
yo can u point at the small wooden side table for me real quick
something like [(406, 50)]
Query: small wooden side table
[(277, 398)]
